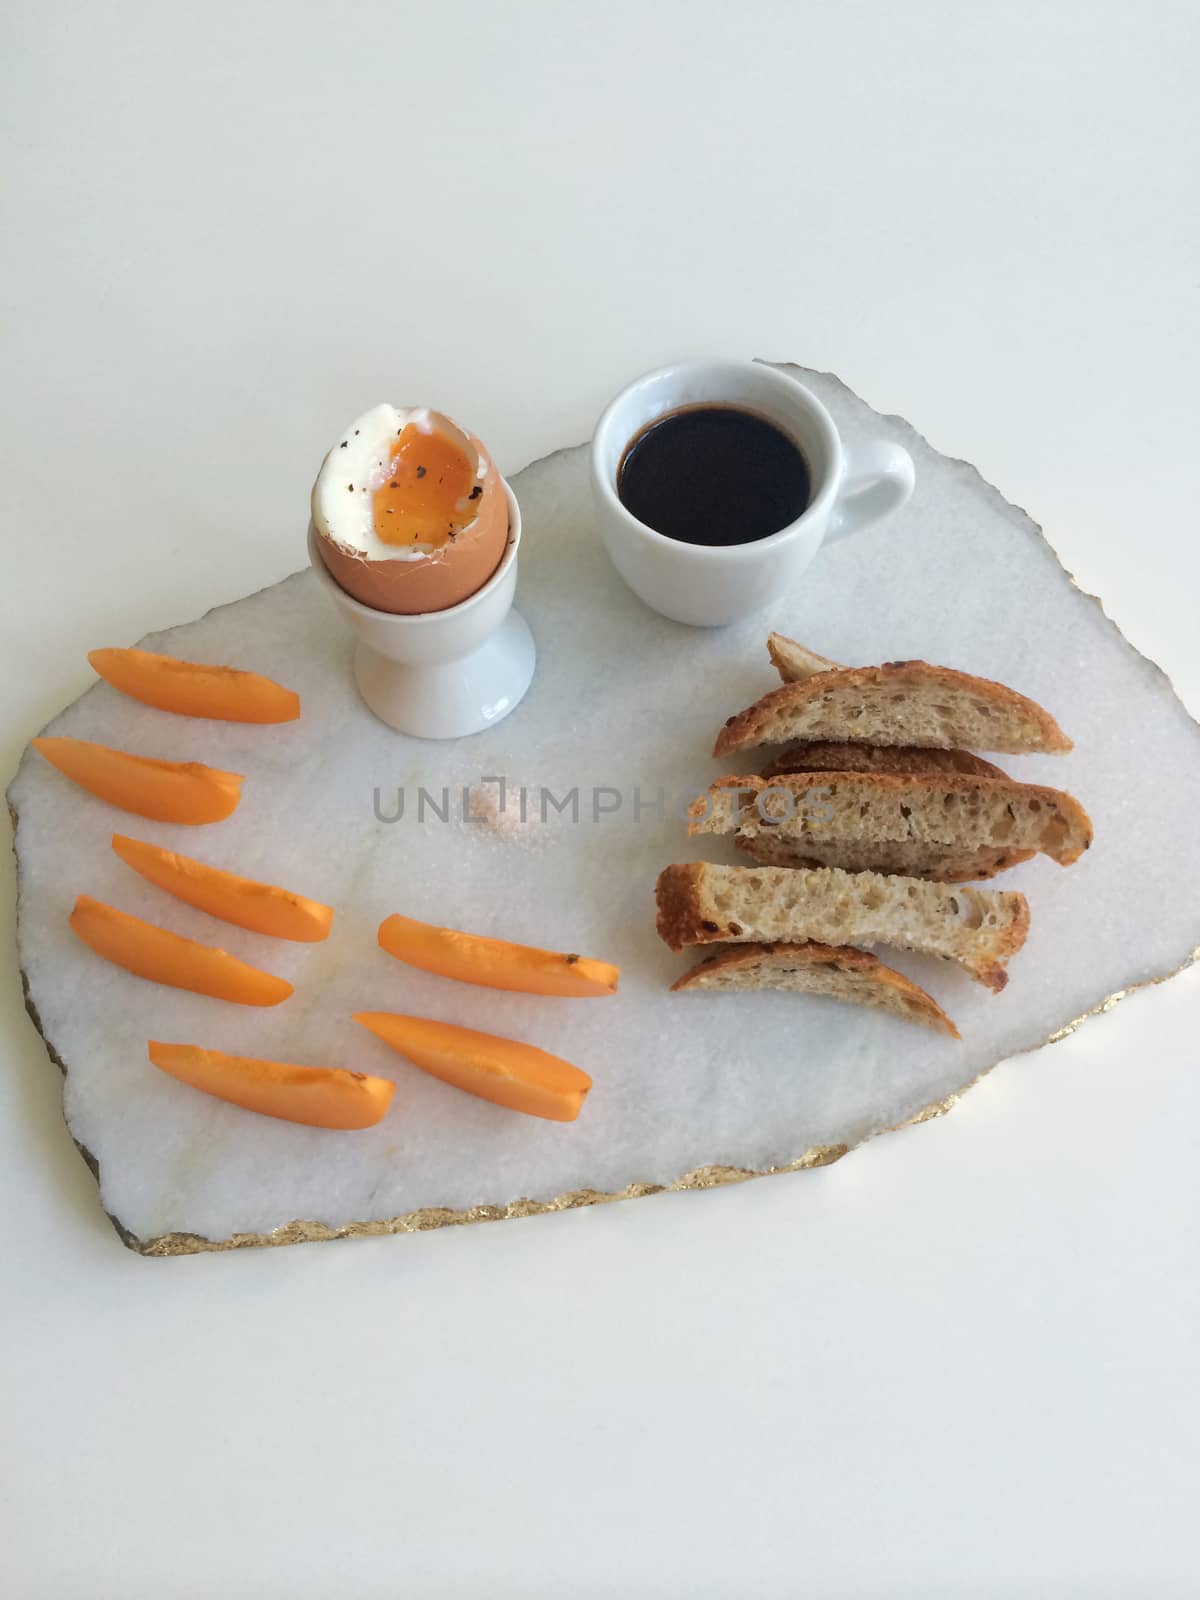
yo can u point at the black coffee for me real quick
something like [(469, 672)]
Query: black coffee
[(713, 475)]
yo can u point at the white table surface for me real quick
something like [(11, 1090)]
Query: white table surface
[(962, 1360)]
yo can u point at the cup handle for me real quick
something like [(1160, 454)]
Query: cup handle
[(879, 479)]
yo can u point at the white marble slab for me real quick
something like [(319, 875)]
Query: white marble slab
[(622, 702)]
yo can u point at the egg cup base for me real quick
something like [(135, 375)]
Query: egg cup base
[(450, 699)]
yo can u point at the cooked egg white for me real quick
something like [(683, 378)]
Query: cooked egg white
[(345, 497)]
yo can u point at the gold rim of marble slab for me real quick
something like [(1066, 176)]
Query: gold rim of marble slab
[(714, 1177)]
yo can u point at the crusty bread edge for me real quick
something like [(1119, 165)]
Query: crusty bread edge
[(745, 729), (675, 894), (857, 757), (794, 661), (956, 782), (680, 925), (815, 955), (1002, 862)]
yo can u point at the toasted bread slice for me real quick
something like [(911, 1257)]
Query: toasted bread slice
[(901, 702), (913, 858), (951, 815), (700, 903), (844, 755), (793, 662), (836, 971)]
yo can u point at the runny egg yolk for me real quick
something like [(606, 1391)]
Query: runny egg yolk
[(429, 493)]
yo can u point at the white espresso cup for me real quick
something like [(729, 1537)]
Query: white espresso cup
[(707, 585)]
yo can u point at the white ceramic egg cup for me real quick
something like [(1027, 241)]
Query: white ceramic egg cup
[(442, 674)]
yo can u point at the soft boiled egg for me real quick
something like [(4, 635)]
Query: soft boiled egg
[(410, 510)]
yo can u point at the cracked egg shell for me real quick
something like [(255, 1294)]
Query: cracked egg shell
[(410, 511)]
